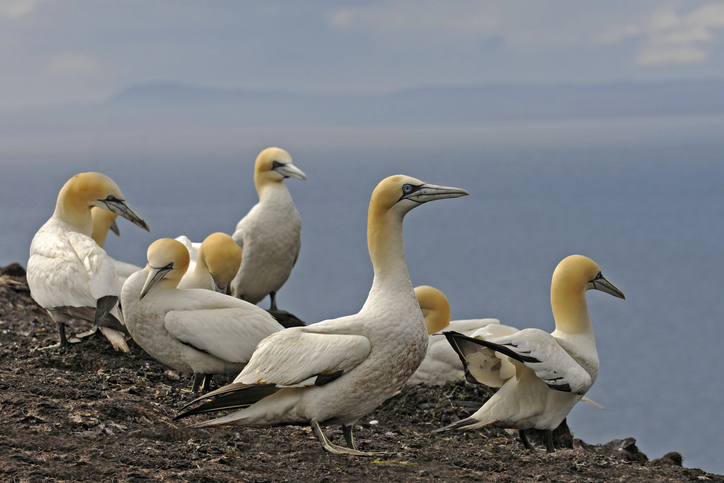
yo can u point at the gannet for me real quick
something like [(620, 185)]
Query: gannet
[(338, 370), (442, 364), (69, 274), (192, 330), (552, 371), (103, 221), (269, 235), (216, 264)]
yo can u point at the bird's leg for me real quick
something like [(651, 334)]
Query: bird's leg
[(273, 296), (524, 440), (63, 341), (206, 385), (199, 381), (347, 431), (549, 441), (335, 449)]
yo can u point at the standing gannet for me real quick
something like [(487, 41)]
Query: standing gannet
[(442, 364), (217, 262), (336, 371), (69, 274), (269, 235), (552, 371), (192, 330), (103, 221)]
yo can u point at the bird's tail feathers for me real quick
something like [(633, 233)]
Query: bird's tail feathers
[(236, 395), (469, 423)]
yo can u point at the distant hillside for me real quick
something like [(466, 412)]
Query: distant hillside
[(435, 105)]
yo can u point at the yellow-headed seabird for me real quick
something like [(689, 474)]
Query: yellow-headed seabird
[(192, 330), (69, 274), (552, 371), (336, 371), (269, 235), (216, 264)]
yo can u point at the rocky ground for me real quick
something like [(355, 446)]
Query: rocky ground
[(87, 413)]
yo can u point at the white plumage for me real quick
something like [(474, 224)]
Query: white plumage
[(270, 234), (69, 274), (552, 371), (192, 330), (215, 265), (336, 371), (103, 221), (442, 364)]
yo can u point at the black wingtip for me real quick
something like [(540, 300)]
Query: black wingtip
[(233, 396)]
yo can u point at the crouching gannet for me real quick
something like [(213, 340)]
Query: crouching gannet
[(269, 235), (69, 274), (192, 330), (552, 371), (103, 221), (336, 371), (215, 266), (442, 364)]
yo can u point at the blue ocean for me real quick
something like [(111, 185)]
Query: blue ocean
[(643, 198)]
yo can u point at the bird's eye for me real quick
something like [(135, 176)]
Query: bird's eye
[(111, 198), (407, 189)]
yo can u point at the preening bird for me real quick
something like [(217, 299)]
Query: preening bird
[(270, 234), (69, 274), (103, 221), (552, 371), (442, 364), (216, 263), (338, 370), (195, 331)]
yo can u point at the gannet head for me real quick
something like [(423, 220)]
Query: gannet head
[(222, 256), (435, 308), (103, 220), (403, 193), (576, 274), (168, 260), (571, 279), (275, 165), (85, 190)]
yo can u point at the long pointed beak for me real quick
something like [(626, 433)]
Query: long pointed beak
[(217, 287), (600, 283), (154, 275), (120, 207), (288, 170), (430, 192), (114, 228)]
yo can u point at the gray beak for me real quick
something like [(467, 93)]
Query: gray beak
[(600, 283), (120, 208), (114, 228), (288, 170), (430, 192), (154, 276), (217, 287)]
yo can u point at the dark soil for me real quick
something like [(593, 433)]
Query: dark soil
[(88, 413)]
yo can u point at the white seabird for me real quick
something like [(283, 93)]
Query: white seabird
[(336, 371), (269, 235), (217, 262), (69, 274), (442, 364), (103, 221), (192, 330), (552, 371)]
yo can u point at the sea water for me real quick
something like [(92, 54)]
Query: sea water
[(651, 214)]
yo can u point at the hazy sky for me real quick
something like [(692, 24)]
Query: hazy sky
[(57, 51)]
